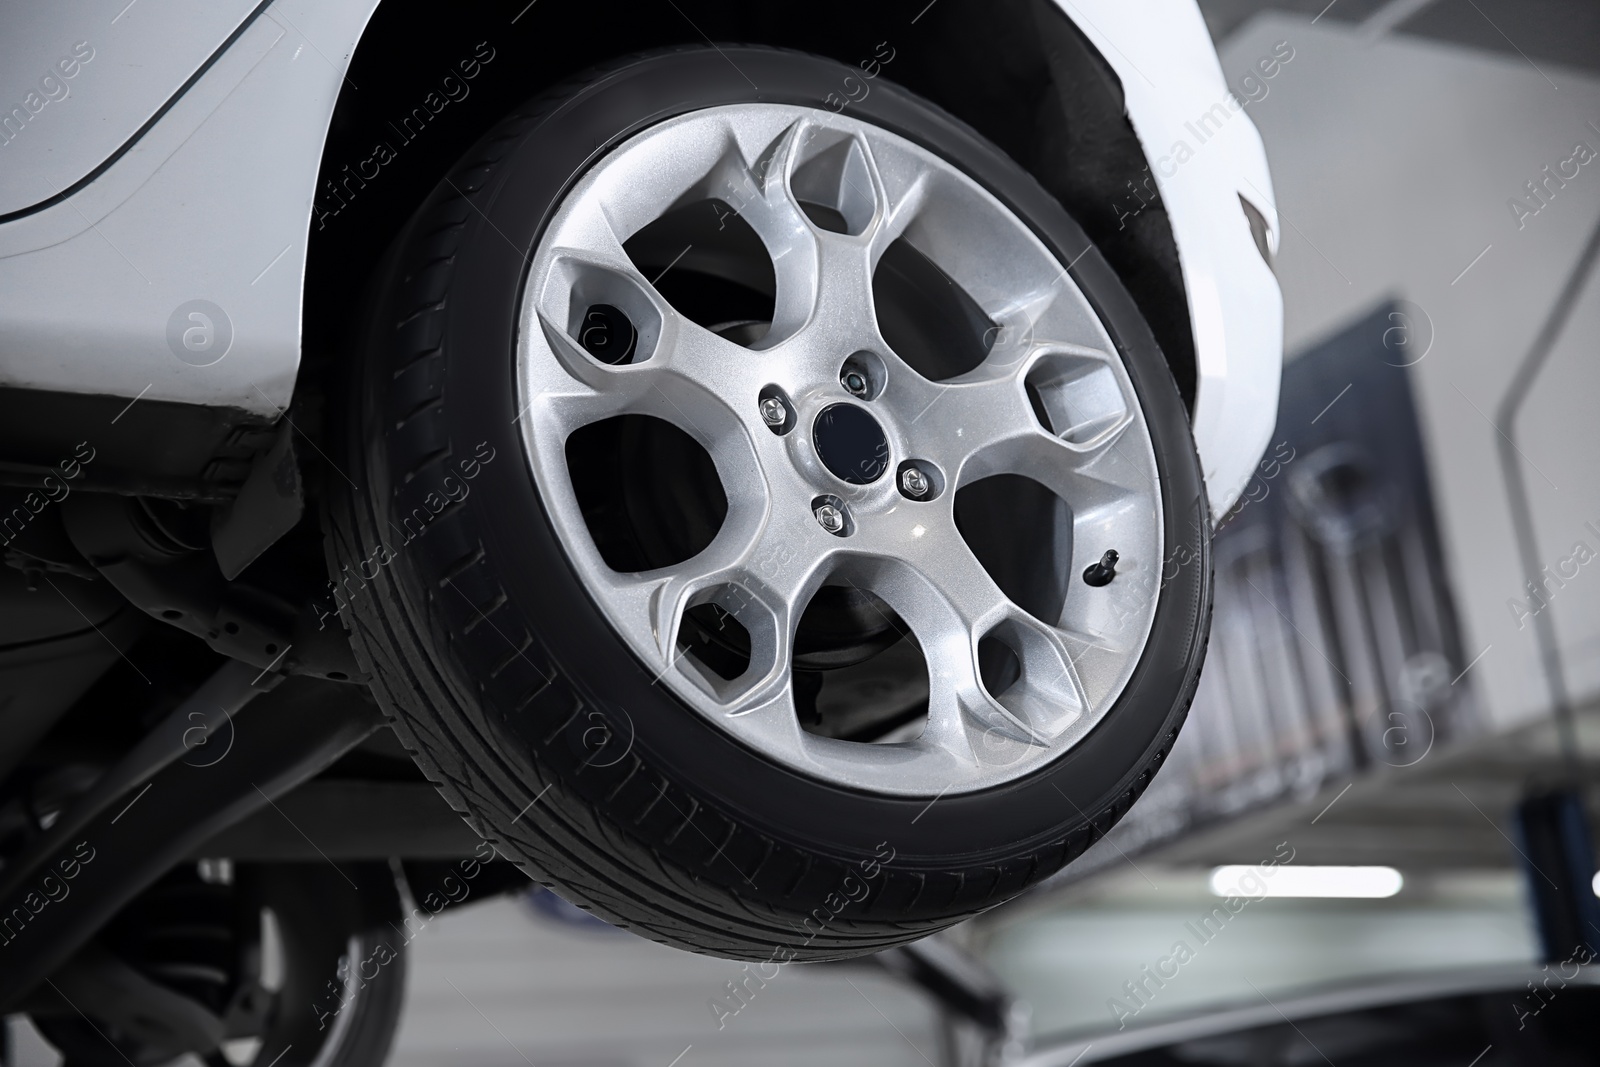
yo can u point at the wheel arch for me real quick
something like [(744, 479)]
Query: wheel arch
[(1019, 71)]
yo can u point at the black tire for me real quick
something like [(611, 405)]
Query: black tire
[(344, 985), (530, 713), (343, 965)]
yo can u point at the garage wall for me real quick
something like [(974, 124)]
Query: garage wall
[(1394, 160)]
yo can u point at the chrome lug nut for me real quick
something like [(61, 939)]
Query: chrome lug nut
[(773, 411), (830, 518), (854, 382), (914, 483)]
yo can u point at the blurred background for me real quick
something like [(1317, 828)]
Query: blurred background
[(1383, 688)]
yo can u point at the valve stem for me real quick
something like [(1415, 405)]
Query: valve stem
[(1101, 573)]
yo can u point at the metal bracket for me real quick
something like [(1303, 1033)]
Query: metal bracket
[(269, 505)]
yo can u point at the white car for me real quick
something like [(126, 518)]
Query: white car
[(761, 459)]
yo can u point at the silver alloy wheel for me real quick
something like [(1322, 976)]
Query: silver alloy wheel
[(775, 548)]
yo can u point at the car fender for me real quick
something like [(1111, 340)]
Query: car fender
[(176, 271), (1176, 95)]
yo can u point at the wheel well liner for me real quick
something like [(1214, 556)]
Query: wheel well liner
[(1018, 71)]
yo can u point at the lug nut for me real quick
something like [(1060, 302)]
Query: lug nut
[(914, 483), (830, 518), (854, 382), (773, 412)]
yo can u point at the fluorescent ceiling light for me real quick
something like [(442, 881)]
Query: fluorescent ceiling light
[(1596, 883), (1302, 881)]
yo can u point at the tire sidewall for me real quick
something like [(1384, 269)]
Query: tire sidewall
[(1070, 799)]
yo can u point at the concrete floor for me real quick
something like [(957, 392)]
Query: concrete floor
[(501, 985)]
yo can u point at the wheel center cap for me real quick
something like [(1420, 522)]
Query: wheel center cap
[(851, 444)]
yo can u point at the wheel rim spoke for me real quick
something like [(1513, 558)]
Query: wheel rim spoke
[(967, 607), (753, 576), (827, 198)]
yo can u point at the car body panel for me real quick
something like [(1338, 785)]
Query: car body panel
[(208, 212), (1301, 1006), (78, 85), (213, 204), (1173, 85)]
